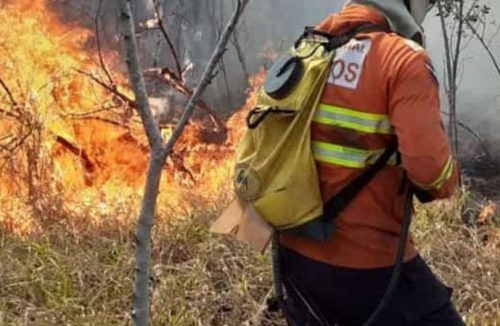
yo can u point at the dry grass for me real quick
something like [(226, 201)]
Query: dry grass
[(61, 278), (58, 279), (467, 258)]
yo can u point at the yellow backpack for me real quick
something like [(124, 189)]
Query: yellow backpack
[(275, 170), (275, 167)]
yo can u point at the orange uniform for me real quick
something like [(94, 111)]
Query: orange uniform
[(381, 86)]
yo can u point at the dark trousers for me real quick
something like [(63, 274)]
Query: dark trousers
[(317, 294)]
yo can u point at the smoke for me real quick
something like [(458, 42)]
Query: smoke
[(270, 27), (479, 88), (281, 21)]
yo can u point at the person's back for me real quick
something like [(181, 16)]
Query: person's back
[(382, 86)]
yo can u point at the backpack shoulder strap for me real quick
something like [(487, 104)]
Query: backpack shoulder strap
[(333, 42), (340, 201)]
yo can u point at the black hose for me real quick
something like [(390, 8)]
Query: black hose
[(396, 274), (277, 276), (277, 300)]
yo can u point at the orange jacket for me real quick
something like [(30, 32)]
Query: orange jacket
[(381, 86)]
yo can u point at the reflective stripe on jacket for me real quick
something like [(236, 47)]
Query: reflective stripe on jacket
[(380, 87)]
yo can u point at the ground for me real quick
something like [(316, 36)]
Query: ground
[(65, 278)]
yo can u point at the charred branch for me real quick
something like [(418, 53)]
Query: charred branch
[(110, 88), (9, 93), (8, 113), (87, 163), (167, 76), (179, 165), (93, 112), (104, 120)]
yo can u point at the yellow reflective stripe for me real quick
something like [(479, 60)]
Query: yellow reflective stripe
[(352, 119), (346, 156), (445, 175)]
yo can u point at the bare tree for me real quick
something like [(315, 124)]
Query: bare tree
[(453, 37), (159, 149), (477, 23), (458, 17)]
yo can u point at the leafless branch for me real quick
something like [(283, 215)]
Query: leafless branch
[(93, 112), (8, 113), (493, 35), (241, 56), (101, 119), (219, 51), (137, 79), (18, 142), (222, 67), (450, 79), (166, 75), (456, 61), (9, 93), (98, 41), (476, 136), (110, 88), (164, 32), (485, 46)]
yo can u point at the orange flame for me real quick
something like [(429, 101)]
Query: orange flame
[(90, 149), (487, 213)]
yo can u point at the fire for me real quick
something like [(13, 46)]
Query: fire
[(68, 143), (487, 213)]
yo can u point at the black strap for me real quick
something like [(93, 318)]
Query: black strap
[(340, 201), (257, 115), (335, 205), (400, 257), (336, 41), (339, 41)]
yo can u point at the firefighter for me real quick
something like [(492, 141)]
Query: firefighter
[(381, 85)]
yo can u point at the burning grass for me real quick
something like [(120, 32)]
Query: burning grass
[(65, 278), (68, 146)]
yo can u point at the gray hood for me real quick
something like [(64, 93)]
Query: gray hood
[(399, 17)]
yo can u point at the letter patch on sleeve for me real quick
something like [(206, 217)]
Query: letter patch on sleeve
[(348, 64)]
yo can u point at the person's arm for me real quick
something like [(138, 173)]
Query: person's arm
[(415, 114)]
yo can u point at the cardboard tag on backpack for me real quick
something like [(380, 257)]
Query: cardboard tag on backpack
[(241, 221)]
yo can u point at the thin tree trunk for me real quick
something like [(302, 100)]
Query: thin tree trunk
[(450, 77), (136, 77), (157, 158), (141, 300), (159, 150), (456, 61)]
